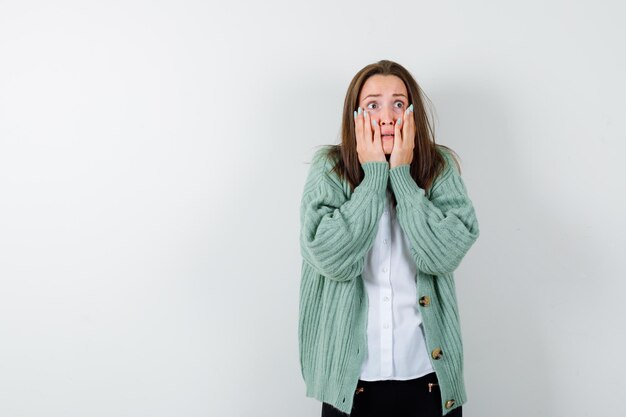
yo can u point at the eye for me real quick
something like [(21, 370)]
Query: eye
[(368, 106), (401, 103)]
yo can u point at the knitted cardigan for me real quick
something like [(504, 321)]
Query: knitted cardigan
[(338, 228)]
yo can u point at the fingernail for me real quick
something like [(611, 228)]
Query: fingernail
[(355, 115), (411, 108), (374, 122), (399, 122), (360, 110), (364, 113)]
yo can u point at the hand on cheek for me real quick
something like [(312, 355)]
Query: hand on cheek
[(403, 140), (368, 142)]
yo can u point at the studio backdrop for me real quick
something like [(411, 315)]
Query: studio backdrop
[(153, 156)]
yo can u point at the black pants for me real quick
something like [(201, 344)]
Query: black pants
[(391, 398)]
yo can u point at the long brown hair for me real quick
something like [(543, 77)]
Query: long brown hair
[(427, 162)]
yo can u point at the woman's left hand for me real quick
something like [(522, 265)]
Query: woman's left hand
[(403, 140)]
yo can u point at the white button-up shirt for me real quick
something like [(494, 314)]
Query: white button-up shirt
[(396, 348)]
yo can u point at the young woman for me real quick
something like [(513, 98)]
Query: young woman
[(385, 221)]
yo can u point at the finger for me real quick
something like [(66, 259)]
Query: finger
[(377, 138), (367, 128), (408, 130), (397, 132), (358, 128)]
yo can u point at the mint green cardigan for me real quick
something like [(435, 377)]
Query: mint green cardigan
[(338, 228)]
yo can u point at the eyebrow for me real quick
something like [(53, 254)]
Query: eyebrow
[(378, 95)]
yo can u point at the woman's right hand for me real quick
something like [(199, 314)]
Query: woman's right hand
[(369, 145)]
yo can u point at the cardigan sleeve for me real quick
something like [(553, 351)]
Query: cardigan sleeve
[(441, 229), (336, 232)]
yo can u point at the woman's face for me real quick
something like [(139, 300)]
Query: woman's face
[(385, 99)]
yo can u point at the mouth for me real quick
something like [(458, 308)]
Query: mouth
[(387, 136)]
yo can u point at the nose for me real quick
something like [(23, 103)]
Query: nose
[(386, 117)]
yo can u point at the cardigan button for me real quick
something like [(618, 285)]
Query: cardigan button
[(425, 301), (437, 353), (449, 403)]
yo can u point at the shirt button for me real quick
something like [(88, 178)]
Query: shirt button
[(385, 212), (385, 326), (385, 241), (386, 298), (424, 301), (385, 269), (449, 403)]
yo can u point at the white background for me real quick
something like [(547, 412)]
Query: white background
[(152, 159)]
